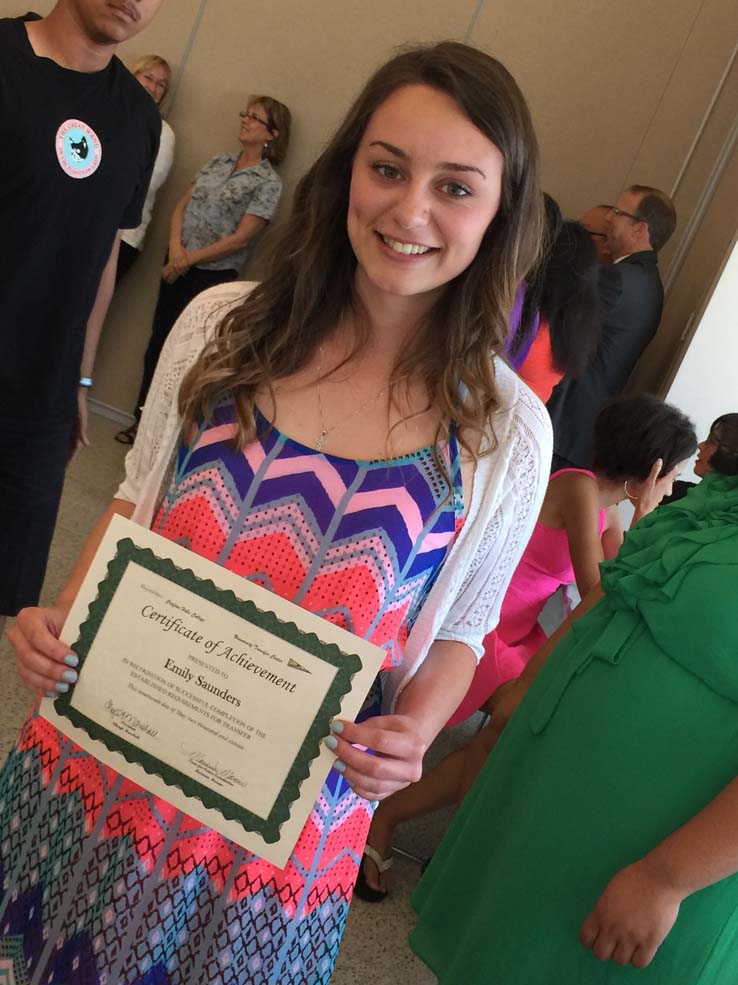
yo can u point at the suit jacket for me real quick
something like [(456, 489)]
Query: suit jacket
[(632, 297)]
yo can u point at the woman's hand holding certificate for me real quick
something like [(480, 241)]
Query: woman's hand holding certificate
[(40, 656), (396, 756), (212, 692)]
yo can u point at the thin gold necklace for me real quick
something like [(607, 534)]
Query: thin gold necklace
[(324, 431)]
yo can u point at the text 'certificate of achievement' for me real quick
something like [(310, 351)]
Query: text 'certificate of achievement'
[(207, 690)]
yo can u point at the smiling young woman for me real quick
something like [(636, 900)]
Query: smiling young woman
[(376, 463)]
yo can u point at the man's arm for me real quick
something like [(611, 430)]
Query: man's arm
[(92, 337)]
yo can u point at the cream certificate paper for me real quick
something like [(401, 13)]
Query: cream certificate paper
[(207, 690)]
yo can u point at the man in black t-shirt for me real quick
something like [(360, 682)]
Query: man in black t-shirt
[(79, 139)]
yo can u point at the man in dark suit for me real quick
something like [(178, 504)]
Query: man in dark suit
[(638, 225)]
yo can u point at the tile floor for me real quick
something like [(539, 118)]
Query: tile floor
[(375, 949)]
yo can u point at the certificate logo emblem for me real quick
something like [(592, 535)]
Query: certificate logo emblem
[(78, 149)]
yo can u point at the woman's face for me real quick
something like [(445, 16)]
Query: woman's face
[(255, 126), (705, 450), (425, 185), (155, 81)]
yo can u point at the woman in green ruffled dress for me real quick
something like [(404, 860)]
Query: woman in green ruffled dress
[(600, 841)]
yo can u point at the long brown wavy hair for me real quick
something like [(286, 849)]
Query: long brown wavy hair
[(309, 286)]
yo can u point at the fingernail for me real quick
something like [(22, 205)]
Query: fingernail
[(71, 660), (337, 727), (52, 694), (70, 675), (338, 765), (331, 741), (61, 687)]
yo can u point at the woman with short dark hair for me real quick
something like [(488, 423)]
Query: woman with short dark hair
[(721, 444)]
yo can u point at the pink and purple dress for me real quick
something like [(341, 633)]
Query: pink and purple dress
[(544, 567), (105, 884)]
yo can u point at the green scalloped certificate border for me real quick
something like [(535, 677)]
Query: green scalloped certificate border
[(346, 664)]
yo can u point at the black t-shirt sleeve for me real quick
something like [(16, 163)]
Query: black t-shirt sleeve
[(133, 213)]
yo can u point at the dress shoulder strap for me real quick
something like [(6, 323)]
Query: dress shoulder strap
[(558, 472)]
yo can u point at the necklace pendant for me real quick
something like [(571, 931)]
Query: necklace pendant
[(320, 443)]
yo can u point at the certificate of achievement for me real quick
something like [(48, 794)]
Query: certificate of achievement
[(209, 691)]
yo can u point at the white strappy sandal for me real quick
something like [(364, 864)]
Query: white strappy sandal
[(362, 889)]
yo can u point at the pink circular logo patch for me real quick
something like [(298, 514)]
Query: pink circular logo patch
[(78, 149)]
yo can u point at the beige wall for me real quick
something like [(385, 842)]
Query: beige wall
[(618, 92)]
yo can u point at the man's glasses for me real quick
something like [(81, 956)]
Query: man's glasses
[(246, 115), (628, 215)]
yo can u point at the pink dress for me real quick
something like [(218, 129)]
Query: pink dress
[(544, 567)]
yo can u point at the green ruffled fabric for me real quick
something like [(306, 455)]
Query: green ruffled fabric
[(687, 549)]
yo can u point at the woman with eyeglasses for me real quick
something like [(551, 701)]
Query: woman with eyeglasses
[(155, 74), (230, 201)]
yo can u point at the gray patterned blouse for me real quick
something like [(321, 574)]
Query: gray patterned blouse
[(220, 199)]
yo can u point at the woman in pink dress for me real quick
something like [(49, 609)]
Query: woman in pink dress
[(640, 446)]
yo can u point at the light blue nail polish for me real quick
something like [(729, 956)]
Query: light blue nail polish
[(71, 660), (338, 765), (331, 741), (61, 687), (70, 675), (337, 727), (51, 694)]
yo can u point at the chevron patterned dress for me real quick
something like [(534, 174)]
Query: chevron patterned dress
[(105, 884)]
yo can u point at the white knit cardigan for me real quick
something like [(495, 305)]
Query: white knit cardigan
[(509, 484)]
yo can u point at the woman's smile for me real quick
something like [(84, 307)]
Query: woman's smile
[(425, 185)]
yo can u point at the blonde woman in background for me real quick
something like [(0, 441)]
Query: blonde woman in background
[(155, 75)]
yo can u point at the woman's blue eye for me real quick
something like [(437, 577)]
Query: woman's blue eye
[(387, 170), (456, 190)]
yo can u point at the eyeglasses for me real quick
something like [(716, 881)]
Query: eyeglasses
[(246, 115), (628, 215)]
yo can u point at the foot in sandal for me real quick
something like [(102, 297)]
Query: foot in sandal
[(372, 884), (128, 435)]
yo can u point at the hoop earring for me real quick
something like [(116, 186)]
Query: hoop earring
[(633, 499)]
